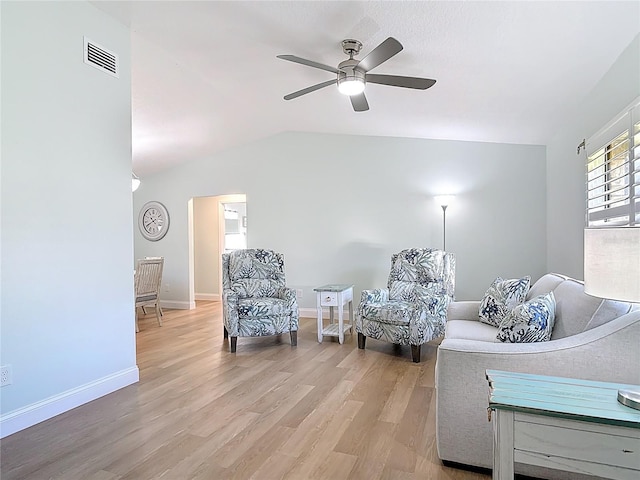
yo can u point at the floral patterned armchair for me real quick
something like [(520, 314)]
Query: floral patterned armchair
[(413, 309), (255, 300)]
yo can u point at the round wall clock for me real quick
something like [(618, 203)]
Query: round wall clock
[(153, 221)]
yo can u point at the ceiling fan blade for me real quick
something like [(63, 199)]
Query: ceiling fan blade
[(359, 102), (398, 81), (308, 63), (381, 53), (310, 89)]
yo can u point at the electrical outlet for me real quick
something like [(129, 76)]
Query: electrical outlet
[(299, 293), (166, 287), (5, 375)]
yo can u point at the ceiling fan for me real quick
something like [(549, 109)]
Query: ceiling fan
[(352, 75)]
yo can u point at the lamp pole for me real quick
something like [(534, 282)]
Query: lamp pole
[(444, 227), (444, 201)]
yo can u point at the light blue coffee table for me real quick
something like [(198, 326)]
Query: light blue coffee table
[(562, 423)]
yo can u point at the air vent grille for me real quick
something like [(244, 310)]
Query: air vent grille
[(99, 57)]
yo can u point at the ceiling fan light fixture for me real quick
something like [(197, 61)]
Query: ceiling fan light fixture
[(351, 86), (350, 79)]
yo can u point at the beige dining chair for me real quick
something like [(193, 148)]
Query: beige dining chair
[(144, 310), (148, 279)]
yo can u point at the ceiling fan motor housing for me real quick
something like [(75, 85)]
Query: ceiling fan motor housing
[(349, 72), (351, 47)]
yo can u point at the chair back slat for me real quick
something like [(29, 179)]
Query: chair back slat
[(148, 276)]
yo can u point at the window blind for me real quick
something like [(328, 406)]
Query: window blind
[(613, 171)]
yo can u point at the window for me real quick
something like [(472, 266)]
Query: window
[(613, 171)]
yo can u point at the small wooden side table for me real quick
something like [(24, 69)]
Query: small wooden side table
[(335, 295), (562, 423)]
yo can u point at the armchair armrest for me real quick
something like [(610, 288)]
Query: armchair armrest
[(376, 295), (286, 293), (289, 295), (230, 311)]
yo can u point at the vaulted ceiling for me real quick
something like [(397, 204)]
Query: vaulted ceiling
[(205, 76)]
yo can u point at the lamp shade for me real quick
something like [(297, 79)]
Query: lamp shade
[(612, 263)]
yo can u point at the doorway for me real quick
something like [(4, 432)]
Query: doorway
[(219, 225)]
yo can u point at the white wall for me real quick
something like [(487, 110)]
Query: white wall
[(566, 169), (338, 206), (67, 254)]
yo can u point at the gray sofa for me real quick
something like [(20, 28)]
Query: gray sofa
[(592, 339)]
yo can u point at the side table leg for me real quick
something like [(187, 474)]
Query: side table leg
[(341, 323), (319, 323), (503, 445), (351, 320)]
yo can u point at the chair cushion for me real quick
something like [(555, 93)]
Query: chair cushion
[(262, 307), (256, 263), (531, 321), (414, 292), (393, 312), (418, 265), (146, 298), (256, 287), (501, 297)]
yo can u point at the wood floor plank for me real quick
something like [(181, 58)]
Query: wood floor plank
[(270, 411)]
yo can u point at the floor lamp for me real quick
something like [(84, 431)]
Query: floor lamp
[(612, 270), (444, 201)]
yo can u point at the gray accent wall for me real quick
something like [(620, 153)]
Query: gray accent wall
[(67, 326), (338, 206), (566, 170)]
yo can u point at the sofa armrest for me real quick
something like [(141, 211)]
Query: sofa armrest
[(606, 353), (464, 310)]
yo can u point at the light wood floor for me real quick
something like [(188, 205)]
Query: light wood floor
[(270, 411)]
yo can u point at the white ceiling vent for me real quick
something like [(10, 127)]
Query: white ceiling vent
[(99, 57)]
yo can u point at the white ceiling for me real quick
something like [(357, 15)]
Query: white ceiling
[(205, 76)]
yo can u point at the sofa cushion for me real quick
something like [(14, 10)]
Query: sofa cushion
[(501, 297), (574, 308), (607, 311), (470, 330), (545, 284), (529, 322)]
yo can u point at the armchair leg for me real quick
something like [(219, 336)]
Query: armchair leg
[(415, 353), (294, 338), (361, 341), (234, 343), (226, 332)]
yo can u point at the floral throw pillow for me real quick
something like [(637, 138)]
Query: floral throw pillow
[(530, 322), (501, 297)]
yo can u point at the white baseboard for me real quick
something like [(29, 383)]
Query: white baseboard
[(177, 304), (213, 297), (28, 416)]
